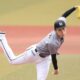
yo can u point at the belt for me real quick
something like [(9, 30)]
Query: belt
[(40, 54), (36, 50)]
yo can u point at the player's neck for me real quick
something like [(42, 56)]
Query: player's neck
[(59, 37)]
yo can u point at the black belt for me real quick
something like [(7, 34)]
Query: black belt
[(36, 50), (41, 55)]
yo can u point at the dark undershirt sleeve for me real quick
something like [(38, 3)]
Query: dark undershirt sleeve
[(54, 61), (53, 53), (68, 12)]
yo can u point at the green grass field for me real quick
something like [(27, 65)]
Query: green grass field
[(69, 66), (35, 12)]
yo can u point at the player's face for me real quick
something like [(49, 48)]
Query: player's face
[(61, 32)]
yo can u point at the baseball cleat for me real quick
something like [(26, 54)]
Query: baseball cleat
[(2, 34)]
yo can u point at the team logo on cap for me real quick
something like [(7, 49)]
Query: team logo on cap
[(60, 23)]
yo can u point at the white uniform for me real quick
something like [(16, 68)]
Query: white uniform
[(46, 47), (29, 56), (49, 45)]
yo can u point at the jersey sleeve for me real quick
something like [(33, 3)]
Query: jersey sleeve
[(52, 49)]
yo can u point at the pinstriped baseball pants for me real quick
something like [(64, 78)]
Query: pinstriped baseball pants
[(28, 56)]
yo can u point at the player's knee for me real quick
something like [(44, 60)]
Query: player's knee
[(13, 62)]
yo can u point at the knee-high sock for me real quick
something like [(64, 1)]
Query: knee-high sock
[(6, 48)]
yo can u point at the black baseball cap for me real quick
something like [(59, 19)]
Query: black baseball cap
[(59, 24)]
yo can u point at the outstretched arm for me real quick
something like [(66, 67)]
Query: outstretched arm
[(68, 12)]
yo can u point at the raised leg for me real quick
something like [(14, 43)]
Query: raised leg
[(26, 57)]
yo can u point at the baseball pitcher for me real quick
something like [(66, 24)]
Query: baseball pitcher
[(42, 53)]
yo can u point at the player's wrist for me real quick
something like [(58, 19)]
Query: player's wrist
[(56, 67), (56, 71), (76, 6)]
